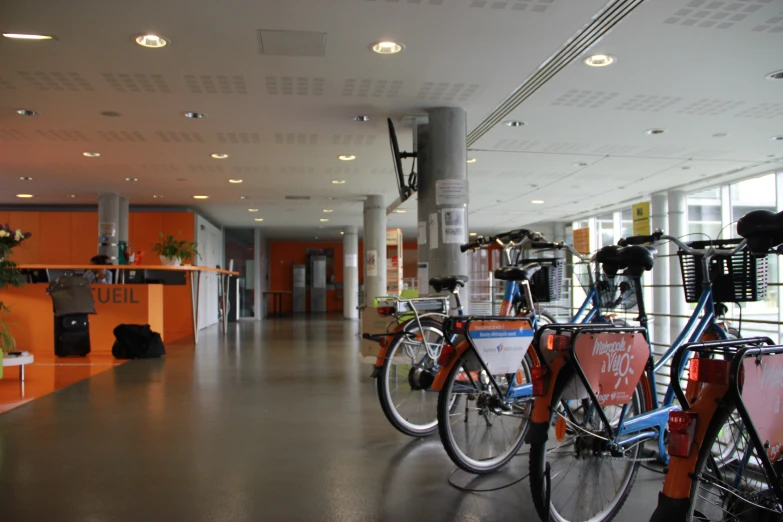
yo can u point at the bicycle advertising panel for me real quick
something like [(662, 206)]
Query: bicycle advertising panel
[(613, 363), (501, 344), (762, 395)]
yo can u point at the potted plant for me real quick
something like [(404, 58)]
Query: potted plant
[(173, 251), (9, 277)]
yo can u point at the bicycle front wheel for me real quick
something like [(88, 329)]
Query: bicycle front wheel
[(404, 383), (589, 479), (733, 487), (485, 430)]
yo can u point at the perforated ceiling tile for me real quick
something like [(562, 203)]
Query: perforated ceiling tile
[(562, 147), (6, 85), (648, 103), (709, 107), (296, 138), (122, 136), (137, 82), (246, 138), (353, 139), (62, 135), (300, 86), (772, 25), (161, 168), (584, 99), (533, 6), (217, 84), (661, 152), (12, 135), (382, 171), (367, 88), (302, 171), (515, 145), (445, 91), (251, 169), (705, 153), (205, 169), (179, 137), (56, 81), (291, 43), (716, 14), (342, 170), (762, 110), (428, 2), (615, 150)]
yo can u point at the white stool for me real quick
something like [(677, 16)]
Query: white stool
[(18, 360)]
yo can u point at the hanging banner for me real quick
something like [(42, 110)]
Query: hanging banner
[(433, 231), (453, 225), (451, 192), (372, 263), (582, 240), (422, 232), (641, 219)]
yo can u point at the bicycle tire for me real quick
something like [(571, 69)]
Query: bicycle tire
[(699, 511), (547, 316), (446, 408), (538, 461), (389, 406)]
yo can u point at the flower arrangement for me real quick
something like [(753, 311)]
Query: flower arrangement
[(173, 251), (9, 276), (9, 238)]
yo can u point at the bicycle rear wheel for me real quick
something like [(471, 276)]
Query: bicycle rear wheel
[(405, 379), (486, 433), (735, 488), (589, 481)]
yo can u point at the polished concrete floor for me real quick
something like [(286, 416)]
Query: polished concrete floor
[(276, 421)]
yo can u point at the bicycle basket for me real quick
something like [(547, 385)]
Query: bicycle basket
[(546, 285), (616, 293), (738, 278)]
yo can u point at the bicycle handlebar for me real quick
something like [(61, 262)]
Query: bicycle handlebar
[(543, 245), (505, 239), (641, 240), (658, 235)]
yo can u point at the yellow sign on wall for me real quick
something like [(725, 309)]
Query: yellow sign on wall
[(582, 240), (641, 219)]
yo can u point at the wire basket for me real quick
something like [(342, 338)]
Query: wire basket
[(616, 293), (546, 285), (738, 278)]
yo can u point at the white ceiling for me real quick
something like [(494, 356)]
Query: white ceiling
[(284, 120)]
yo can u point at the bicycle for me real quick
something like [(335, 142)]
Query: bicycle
[(597, 404), (496, 380), (735, 474)]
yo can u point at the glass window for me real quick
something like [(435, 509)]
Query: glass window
[(605, 224), (752, 194), (626, 218), (704, 214)]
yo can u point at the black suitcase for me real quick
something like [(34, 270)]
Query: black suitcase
[(71, 335)]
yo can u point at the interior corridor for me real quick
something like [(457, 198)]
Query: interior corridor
[(278, 421)]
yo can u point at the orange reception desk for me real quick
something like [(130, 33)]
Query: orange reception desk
[(170, 308)]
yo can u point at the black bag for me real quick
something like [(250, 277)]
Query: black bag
[(137, 341), (71, 295), (71, 335)]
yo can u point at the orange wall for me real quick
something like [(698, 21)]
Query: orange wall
[(72, 237)]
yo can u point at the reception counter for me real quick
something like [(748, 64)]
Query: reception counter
[(169, 304)]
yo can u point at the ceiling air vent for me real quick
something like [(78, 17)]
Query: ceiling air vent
[(298, 198), (291, 43)]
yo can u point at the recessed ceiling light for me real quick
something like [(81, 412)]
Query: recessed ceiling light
[(720, 135), (328, 210), (473, 234), (131, 179), (514, 123), (24, 196), (91, 154), (472, 160), (193, 115), (346, 157), (400, 211), (26, 112), (324, 220), (387, 47), (242, 197), (111, 114), (777, 75), (599, 60), (200, 197), (777, 138), (342, 233), (25, 178), (338, 181), (252, 210), (151, 41), (580, 164), (361, 118), (537, 201), (17, 36), (259, 219), (654, 132), (686, 168), (71, 195), (235, 181), (156, 196), (219, 155)]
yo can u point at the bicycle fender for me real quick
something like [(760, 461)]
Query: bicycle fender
[(542, 412), (677, 484), (444, 371), (384, 345), (670, 509)]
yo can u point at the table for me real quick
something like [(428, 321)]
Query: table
[(276, 302), (18, 360)]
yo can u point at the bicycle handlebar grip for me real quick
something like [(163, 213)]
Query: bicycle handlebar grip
[(469, 246), (640, 240), (544, 244)]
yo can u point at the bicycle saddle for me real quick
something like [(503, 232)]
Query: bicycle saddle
[(517, 273), (762, 228), (634, 259), (449, 283)]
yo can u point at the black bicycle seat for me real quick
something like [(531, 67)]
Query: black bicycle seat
[(449, 283), (762, 228), (635, 259), (517, 273)]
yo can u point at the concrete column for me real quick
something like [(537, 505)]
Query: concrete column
[(351, 272), (449, 218), (122, 228), (259, 277), (374, 249), (660, 216), (426, 199), (678, 227), (108, 224)]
